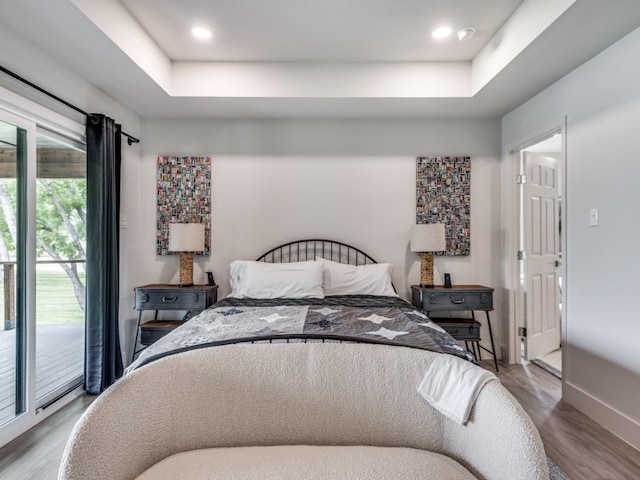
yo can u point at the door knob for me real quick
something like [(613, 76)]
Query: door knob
[(558, 263)]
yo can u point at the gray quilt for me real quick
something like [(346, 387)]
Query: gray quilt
[(354, 318)]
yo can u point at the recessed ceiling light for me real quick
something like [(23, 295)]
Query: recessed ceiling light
[(201, 33), (466, 33), (441, 32)]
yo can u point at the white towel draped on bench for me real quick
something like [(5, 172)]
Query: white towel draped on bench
[(452, 385)]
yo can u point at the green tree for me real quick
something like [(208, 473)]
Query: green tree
[(7, 227), (60, 225)]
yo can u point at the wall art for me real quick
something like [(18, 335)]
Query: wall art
[(183, 193), (443, 195)]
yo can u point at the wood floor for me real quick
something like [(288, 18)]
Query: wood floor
[(59, 360), (583, 449), (36, 454)]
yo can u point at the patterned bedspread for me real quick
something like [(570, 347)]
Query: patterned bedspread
[(353, 318)]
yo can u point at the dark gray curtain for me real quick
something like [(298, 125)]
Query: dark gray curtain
[(103, 360)]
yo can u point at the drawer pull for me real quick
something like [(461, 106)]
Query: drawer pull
[(144, 298), (196, 297), (484, 298), (457, 300), (169, 299)]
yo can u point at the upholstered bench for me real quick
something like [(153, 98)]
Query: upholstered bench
[(297, 462), (296, 411)]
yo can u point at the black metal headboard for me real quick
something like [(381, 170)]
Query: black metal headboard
[(303, 250)]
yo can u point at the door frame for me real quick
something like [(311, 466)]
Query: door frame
[(29, 115), (25, 275), (512, 307)]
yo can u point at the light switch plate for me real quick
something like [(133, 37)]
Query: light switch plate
[(593, 217)]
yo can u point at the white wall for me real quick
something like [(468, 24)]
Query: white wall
[(601, 101), (352, 181)]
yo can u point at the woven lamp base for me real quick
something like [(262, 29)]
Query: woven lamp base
[(186, 269), (426, 270)]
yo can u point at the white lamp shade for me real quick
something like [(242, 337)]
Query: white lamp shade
[(428, 237), (186, 237)]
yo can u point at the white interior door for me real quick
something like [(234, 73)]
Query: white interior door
[(542, 258)]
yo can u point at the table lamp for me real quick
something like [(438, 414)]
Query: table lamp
[(426, 239), (186, 238)]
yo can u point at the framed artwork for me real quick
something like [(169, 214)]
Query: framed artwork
[(183, 193), (443, 195)]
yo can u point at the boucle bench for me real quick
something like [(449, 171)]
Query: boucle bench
[(296, 411)]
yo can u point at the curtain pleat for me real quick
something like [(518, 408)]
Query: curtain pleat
[(103, 359)]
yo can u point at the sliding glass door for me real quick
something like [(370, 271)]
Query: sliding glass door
[(13, 335), (61, 188), (42, 268)]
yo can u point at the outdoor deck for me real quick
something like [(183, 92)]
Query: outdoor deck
[(59, 359)]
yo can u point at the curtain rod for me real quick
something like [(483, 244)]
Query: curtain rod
[(130, 139)]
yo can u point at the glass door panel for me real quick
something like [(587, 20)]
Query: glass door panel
[(60, 265), (42, 269), (13, 153)]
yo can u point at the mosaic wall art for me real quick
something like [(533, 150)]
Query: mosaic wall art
[(443, 195), (183, 192)]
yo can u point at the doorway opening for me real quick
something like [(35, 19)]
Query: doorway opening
[(540, 272)]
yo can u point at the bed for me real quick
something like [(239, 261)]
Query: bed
[(351, 312), (305, 389)]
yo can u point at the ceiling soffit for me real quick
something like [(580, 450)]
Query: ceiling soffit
[(535, 47), (278, 79)]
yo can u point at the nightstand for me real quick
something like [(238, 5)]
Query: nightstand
[(168, 297), (459, 298)]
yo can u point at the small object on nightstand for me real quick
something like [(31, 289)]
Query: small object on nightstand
[(447, 280), (210, 279)]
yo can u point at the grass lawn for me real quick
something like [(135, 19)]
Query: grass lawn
[(55, 301)]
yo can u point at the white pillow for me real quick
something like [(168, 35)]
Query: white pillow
[(343, 279), (276, 280)]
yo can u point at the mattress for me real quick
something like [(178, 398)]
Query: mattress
[(346, 318)]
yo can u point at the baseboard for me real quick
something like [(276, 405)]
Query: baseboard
[(610, 418)]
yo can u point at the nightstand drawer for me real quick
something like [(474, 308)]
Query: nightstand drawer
[(460, 328), (172, 299), (462, 300), (155, 330)]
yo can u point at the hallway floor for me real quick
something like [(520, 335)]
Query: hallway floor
[(552, 362)]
